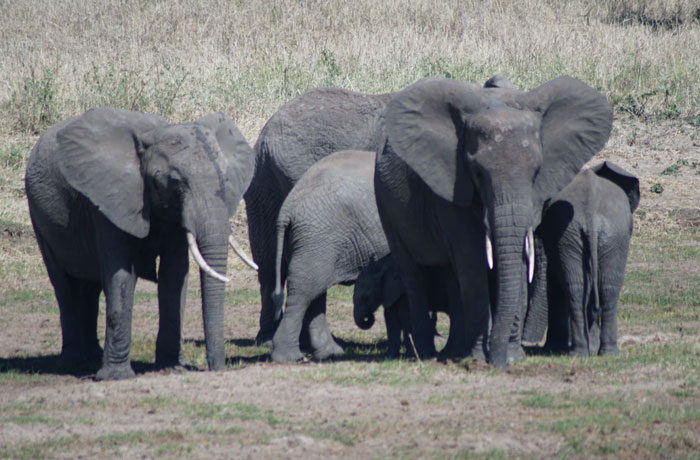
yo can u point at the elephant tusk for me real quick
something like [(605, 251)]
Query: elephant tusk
[(530, 252), (240, 253), (200, 260), (489, 252)]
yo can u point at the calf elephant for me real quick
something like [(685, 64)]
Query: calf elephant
[(328, 230), (585, 230), (379, 283), (309, 127), (461, 166), (111, 190)]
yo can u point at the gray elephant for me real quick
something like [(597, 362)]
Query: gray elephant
[(379, 283), (585, 230), (328, 229), (309, 127), (461, 166), (111, 190)]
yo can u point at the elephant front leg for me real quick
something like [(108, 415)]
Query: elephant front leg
[(396, 320), (115, 251), (172, 298)]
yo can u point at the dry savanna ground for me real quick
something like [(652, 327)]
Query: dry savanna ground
[(185, 58)]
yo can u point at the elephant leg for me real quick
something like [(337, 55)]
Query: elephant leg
[(172, 298), (323, 344), (575, 293), (611, 276), (468, 258), (558, 323), (116, 253), (262, 208), (78, 306), (395, 325), (456, 345)]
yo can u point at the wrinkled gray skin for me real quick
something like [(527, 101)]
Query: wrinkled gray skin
[(459, 162), (380, 283), (309, 127), (586, 231), (328, 229), (111, 190)]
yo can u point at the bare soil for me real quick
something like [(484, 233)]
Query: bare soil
[(361, 406)]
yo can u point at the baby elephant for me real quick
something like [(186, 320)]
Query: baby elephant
[(328, 229), (380, 284), (586, 232)]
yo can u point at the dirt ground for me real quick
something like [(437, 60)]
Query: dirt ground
[(363, 406)]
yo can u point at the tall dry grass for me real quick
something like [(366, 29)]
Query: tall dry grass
[(184, 58)]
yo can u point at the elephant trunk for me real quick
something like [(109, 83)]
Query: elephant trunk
[(510, 234), (214, 250), (364, 314)]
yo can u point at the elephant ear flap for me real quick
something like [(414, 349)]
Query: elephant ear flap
[(239, 155), (576, 124), (424, 126), (99, 156), (626, 181), (498, 81)]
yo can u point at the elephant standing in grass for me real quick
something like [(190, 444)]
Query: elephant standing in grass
[(586, 231), (380, 283), (110, 191), (461, 177), (328, 229), (306, 129)]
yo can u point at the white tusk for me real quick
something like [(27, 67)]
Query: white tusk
[(240, 253), (489, 252), (200, 260), (530, 252)]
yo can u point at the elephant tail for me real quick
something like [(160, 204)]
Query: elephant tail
[(277, 295), (591, 301)]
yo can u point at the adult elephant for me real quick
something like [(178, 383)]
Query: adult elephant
[(309, 127), (461, 176), (585, 231), (111, 190)]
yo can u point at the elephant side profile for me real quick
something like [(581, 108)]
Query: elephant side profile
[(328, 229), (110, 191), (379, 283), (309, 127), (461, 176), (585, 231)]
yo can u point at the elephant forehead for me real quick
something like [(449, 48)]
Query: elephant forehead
[(499, 123)]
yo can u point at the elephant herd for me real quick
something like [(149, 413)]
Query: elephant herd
[(445, 196)]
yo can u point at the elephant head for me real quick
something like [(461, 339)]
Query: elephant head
[(378, 284), (502, 153), (137, 169)]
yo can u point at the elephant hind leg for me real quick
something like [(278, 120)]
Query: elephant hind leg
[(611, 277), (78, 305), (323, 344)]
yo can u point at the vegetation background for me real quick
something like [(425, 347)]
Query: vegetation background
[(186, 58)]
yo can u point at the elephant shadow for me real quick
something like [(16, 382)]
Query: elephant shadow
[(50, 365)]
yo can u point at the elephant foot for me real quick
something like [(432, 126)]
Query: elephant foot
[(609, 350), (579, 353), (515, 353), (479, 354), (286, 355), (329, 350), (115, 372), (170, 364), (394, 352), (77, 357), (264, 338)]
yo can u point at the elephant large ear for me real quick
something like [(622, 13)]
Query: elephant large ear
[(424, 125), (98, 154), (626, 181), (240, 156), (576, 124)]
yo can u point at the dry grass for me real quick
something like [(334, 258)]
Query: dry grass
[(189, 57), (185, 58)]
